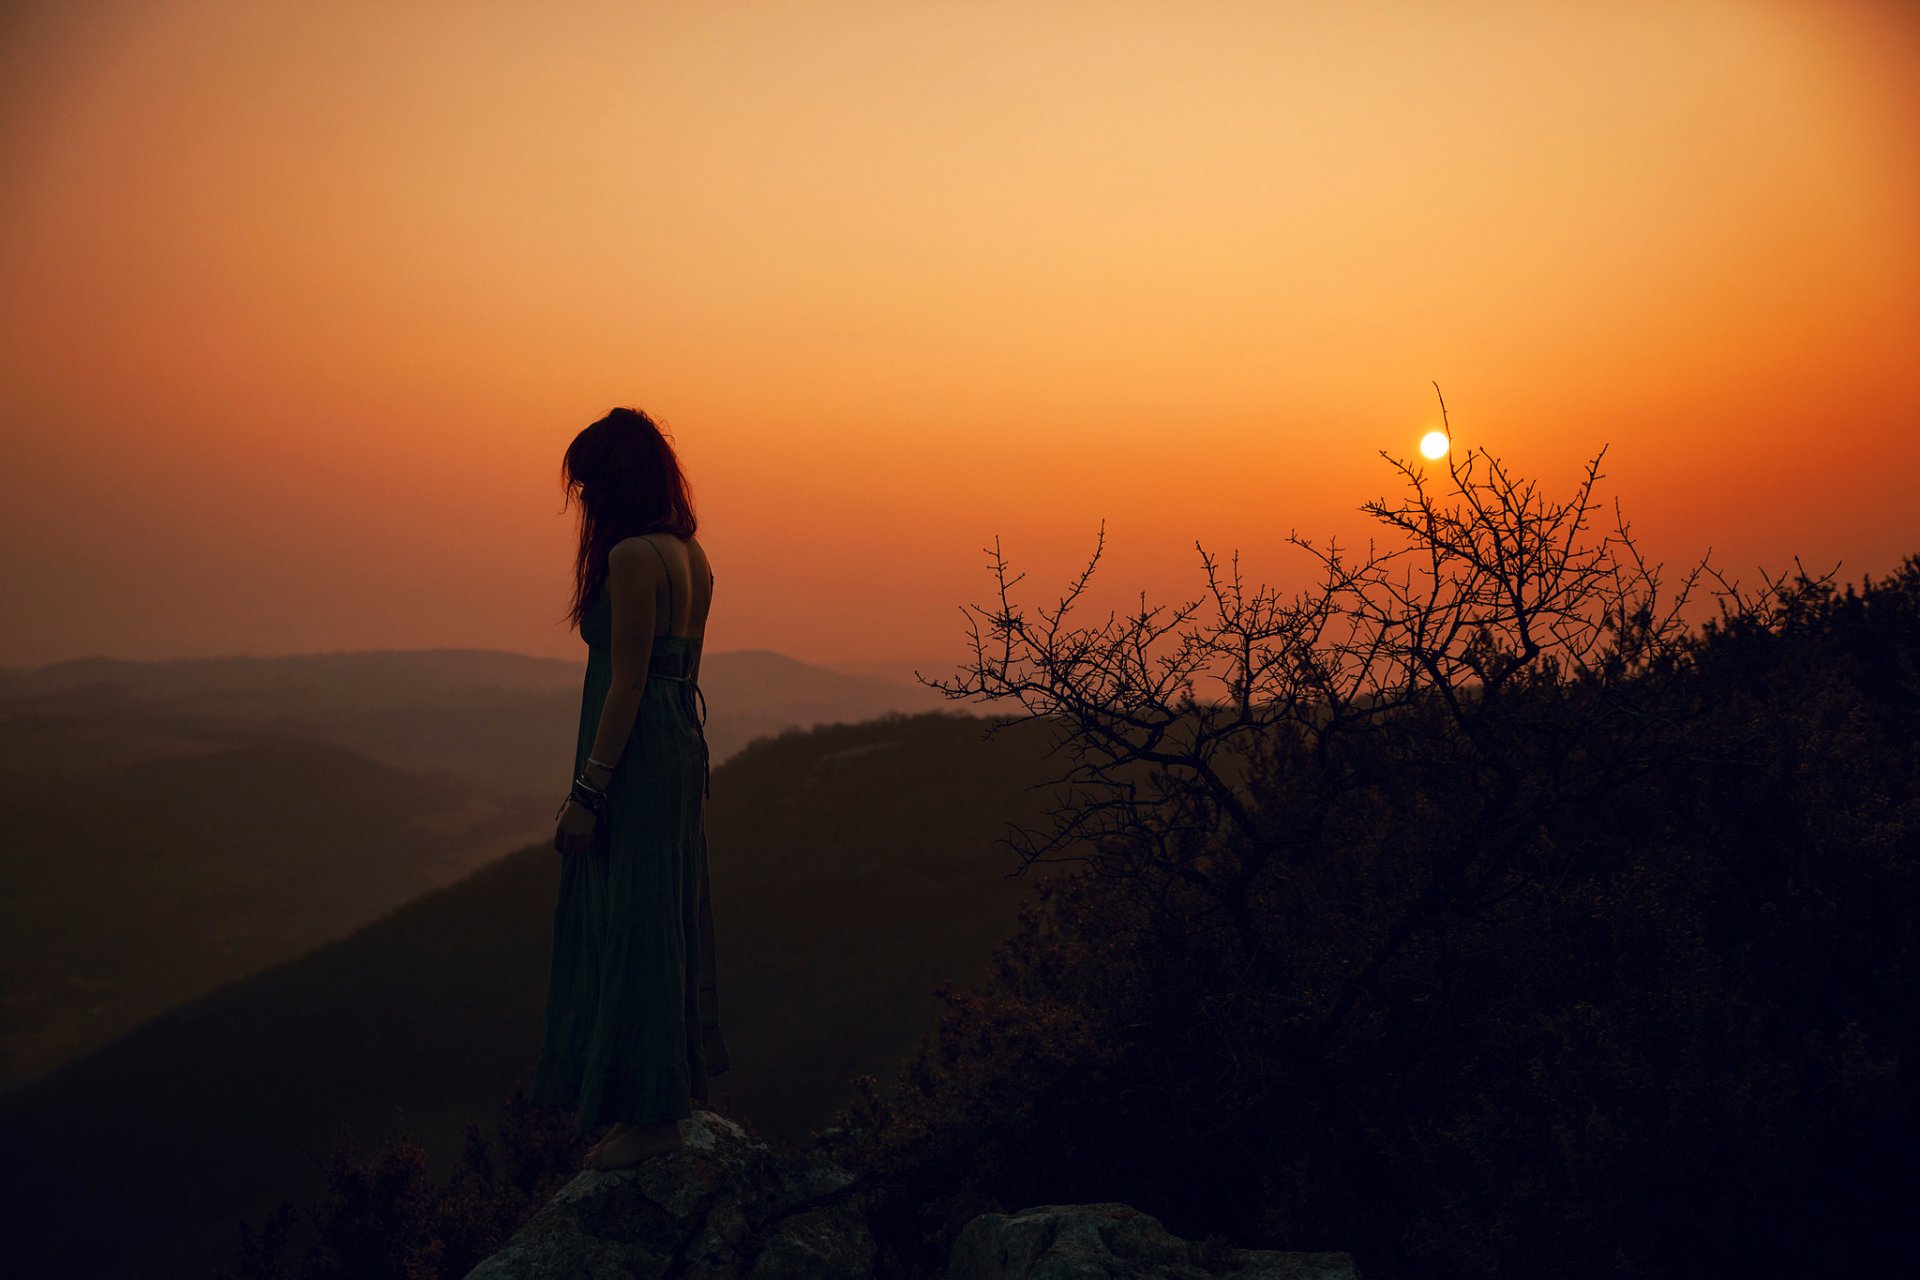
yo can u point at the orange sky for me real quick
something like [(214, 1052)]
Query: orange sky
[(300, 304)]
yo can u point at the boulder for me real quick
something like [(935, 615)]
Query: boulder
[(1116, 1242), (728, 1206), (725, 1205)]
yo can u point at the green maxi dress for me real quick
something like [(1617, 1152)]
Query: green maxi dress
[(632, 1020)]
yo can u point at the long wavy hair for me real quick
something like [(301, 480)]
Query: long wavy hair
[(624, 474)]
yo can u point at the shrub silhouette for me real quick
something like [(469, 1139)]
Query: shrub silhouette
[(1492, 920), (385, 1217)]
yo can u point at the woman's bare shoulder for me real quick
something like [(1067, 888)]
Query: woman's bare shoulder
[(633, 547)]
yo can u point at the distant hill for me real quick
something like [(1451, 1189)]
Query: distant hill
[(223, 814), (504, 720), (796, 692), (853, 867)]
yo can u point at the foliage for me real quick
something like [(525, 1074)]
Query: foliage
[(385, 1216), (1493, 919)]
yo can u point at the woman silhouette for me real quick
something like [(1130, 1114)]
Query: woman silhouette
[(632, 1021)]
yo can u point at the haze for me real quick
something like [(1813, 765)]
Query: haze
[(300, 304)]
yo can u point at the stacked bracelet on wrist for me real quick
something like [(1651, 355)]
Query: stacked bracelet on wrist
[(586, 795), (589, 797)]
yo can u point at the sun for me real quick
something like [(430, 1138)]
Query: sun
[(1434, 444)]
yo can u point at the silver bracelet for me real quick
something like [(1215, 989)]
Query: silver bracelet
[(601, 763)]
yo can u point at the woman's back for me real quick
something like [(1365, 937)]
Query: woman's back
[(681, 611), (681, 605)]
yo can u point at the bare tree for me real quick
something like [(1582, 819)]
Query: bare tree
[(1516, 643)]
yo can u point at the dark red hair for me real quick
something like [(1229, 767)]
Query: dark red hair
[(624, 474)]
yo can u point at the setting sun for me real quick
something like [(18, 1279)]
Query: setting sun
[(1434, 444)]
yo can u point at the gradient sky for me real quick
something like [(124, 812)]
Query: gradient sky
[(300, 303)]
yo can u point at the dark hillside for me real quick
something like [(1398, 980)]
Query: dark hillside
[(1611, 974), (853, 867), (148, 862)]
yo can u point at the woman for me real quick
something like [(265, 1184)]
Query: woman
[(632, 1024)]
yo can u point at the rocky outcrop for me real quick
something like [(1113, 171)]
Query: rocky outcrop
[(724, 1205), (1116, 1242), (727, 1206)]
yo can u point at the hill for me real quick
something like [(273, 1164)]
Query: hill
[(174, 825), (504, 720), (853, 867)]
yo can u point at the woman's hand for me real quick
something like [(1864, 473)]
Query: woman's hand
[(575, 832)]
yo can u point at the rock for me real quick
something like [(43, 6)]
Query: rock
[(728, 1205), (1115, 1242), (725, 1205)]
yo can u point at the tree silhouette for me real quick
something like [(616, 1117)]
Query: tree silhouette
[(1440, 911)]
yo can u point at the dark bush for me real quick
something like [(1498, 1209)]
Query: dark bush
[(385, 1216), (1494, 923)]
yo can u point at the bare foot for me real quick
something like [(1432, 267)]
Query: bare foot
[(619, 1127), (636, 1144)]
